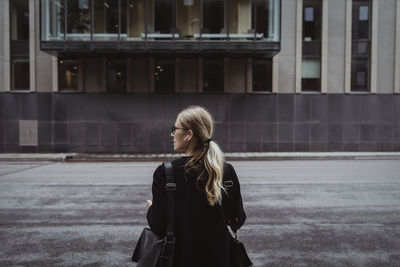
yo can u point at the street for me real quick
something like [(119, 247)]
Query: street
[(299, 213)]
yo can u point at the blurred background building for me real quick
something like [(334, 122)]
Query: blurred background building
[(277, 75)]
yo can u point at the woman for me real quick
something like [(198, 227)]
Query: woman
[(204, 183)]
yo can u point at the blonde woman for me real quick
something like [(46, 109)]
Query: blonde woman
[(204, 183)]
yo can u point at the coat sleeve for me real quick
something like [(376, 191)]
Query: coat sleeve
[(233, 204), (156, 214)]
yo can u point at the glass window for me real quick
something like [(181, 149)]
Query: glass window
[(312, 20), (311, 45), (188, 18), (53, 19), (20, 74), (361, 19), (262, 75), (68, 74), (164, 76), (264, 19), (361, 45), (136, 17), (78, 18), (360, 75), (116, 75), (107, 23), (19, 18), (213, 75), (213, 16), (19, 50), (163, 16), (260, 16)]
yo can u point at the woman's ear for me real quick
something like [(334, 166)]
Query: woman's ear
[(190, 133)]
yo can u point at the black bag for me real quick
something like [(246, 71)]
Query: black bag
[(151, 250), (239, 257)]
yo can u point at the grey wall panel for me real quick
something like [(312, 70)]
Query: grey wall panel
[(142, 122)]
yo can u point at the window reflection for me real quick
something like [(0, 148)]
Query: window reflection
[(188, 18), (213, 16), (262, 75), (78, 18), (116, 75), (68, 74), (164, 76), (213, 75), (136, 18), (163, 16), (107, 23), (132, 19)]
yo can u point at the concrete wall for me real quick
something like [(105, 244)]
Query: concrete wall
[(43, 64), (287, 56), (336, 45)]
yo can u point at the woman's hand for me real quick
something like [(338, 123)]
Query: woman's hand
[(149, 203)]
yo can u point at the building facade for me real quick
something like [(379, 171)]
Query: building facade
[(277, 75)]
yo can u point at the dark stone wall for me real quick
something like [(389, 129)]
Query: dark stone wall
[(141, 122)]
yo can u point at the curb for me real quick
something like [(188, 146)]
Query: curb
[(93, 157)]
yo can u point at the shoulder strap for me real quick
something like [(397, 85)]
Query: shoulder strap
[(170, 186)]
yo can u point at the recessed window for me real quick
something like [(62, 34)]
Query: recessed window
[(164, 76), (360, 75), (311, 45), (262, 75), (213, 80), (116, 75), (68, 74), (361, 45), (19, 50)]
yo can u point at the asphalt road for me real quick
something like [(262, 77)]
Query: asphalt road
[(300, 213)]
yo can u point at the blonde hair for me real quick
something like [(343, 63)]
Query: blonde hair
[(209, 164)]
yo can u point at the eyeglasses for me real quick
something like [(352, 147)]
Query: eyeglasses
[(173, 129)]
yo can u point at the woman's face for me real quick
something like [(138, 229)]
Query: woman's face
[(179, 143)]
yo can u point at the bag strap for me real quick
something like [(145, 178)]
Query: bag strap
[(170, 186)]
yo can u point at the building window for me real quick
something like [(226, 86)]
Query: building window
[(260, 16), (361, 45), (164, 76), (264, 19), (213, 16), (116, 75), (188, 18), (78, 17), (19, 52), (163, 16), (311, 45), (107, 21), (136, 17), (262, 75), (213, 75), (68, 78)]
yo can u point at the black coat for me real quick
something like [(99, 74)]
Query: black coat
[(200, 229)]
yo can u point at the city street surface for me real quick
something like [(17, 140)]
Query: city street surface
[(299, 213)]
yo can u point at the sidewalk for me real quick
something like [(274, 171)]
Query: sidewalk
[(170, 156)]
